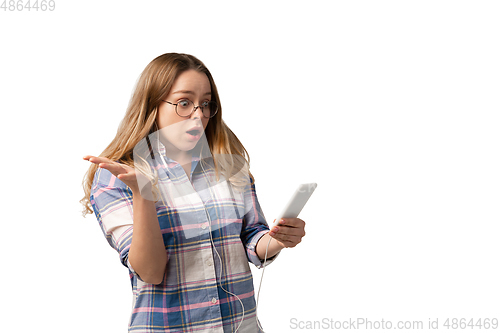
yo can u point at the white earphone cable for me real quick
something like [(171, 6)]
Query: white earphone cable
[(220, 259), (260, 283), (217, 252)]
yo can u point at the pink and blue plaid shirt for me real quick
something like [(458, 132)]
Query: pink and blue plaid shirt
[(190, 298)]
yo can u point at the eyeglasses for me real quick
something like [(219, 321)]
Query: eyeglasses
[(185, 108)]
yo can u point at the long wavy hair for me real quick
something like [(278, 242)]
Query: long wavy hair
[(153, 85)]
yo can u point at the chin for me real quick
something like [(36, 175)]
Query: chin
[(187, 146)]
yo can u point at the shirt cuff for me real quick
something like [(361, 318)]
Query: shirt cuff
[(252, 254), (132, 271)]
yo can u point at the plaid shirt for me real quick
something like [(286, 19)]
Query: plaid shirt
[(190, 298)]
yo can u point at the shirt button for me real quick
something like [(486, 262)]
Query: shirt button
[(204, 226), (209, 263), (214, 300)]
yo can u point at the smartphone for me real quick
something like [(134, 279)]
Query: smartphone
[(297, 202)]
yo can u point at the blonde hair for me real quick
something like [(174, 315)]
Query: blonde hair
[(153, 85)]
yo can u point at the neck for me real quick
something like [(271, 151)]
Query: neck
[(181, 157)]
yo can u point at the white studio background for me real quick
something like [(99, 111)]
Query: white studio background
[(390, 106)]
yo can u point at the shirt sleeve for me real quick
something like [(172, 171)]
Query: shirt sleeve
[(111, 200), (254, 227)]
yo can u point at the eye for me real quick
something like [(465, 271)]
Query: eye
[(205, 104), (184, 103)]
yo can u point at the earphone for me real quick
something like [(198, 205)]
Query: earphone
[(217, 252), (220, 271), (220, 260)]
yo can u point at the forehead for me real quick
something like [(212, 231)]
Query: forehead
[(191, 81)]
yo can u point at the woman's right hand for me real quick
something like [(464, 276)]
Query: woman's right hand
[(123, 172)]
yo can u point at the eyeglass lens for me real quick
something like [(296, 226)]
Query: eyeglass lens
[(186, 107)]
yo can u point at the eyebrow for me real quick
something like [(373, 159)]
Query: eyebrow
[(189, 92)]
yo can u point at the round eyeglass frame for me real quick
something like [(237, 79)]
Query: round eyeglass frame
[(194, 109)]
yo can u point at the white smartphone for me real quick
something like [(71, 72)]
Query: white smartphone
[(297, 202)]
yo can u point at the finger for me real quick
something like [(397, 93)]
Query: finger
[(97, 160), (287, 240), (115, 168), (286, 230), (90, 158), (127, 177), (292, 222), (103, 162)]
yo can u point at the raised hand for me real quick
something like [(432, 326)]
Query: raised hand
[(125, 173)]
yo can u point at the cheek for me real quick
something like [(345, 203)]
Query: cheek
[(205, 121), (165, 119), (171, 133)]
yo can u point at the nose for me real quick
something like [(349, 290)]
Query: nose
[(198, 113)]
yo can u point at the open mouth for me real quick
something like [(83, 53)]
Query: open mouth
[(193, 132)]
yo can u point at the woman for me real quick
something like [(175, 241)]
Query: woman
[(173, 195)]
